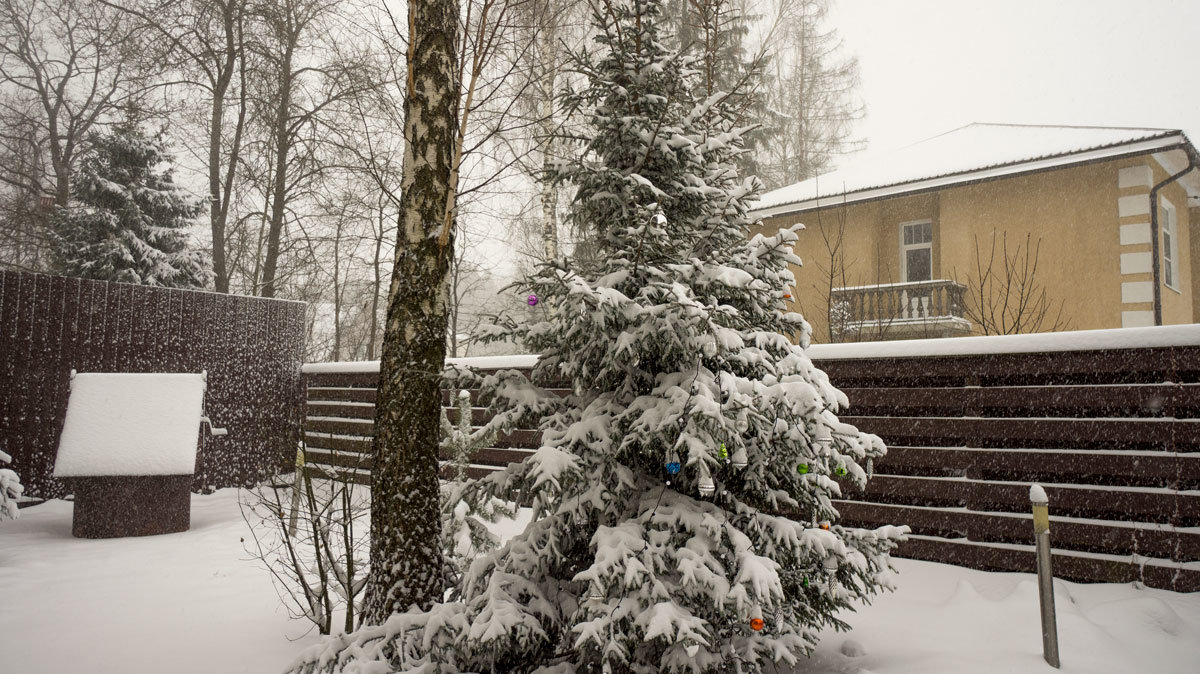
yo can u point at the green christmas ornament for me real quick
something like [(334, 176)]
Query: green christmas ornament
[(722, 452), (802, 468), (840, 471)]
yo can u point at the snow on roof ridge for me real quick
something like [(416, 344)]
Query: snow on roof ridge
[(928, 159), (1071, 126)]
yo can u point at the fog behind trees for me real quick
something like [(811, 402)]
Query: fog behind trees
[(284, 118)]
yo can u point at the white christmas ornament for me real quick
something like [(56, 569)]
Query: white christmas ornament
[(705, 486), (824, 435), (739, 460)]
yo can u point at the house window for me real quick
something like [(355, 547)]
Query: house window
[(916, 251), (1170, 246)]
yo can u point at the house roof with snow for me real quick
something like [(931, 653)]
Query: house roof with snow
[(968, 154)]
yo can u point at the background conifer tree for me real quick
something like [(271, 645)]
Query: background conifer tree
[(128, 221)]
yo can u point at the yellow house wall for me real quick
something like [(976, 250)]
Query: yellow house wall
[(1073, 212), (1177, 303), (1194, 253)]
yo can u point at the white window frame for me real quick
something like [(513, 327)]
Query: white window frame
[(1169, 240), (914, 246)]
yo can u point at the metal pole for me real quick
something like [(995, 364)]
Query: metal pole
[(1041, 531)]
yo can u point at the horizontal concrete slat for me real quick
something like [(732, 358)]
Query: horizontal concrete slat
[(1149, 400), (1080, 567), (1119, 503), (1181, 545), (1147, 365), (498, 457), (1154, 467), (1066, 432)]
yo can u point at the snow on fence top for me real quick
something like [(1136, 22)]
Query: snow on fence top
[(479, 362), (1078, 340), (131, 424)]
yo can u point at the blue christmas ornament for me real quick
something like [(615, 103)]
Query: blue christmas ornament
[(673, 463)]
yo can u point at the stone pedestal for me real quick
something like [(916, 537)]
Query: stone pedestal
[(131, 505)]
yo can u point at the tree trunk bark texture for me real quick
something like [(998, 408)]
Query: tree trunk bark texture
[(406, 559)]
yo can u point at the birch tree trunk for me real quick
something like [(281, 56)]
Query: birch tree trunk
[(406, 559)]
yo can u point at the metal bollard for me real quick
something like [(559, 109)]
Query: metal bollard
[(1041, 531)]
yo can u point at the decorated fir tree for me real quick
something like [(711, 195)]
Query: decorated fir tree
[(682, 492), (128, 220)]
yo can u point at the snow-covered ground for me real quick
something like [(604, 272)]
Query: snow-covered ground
[(194, 602), (182, 603)]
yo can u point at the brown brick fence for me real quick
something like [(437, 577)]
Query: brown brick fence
[(251, 348), (1111, 429)]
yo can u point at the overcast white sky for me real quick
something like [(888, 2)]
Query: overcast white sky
[(929, 66)]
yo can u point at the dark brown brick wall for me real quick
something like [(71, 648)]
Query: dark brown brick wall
[(251, 348)]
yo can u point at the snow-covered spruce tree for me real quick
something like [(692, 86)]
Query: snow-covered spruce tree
[(682, 494), (128, 219), (10, 490)]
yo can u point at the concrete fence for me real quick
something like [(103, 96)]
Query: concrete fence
[(1107, 421)]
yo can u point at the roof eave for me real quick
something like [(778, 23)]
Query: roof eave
[(1173, 140)]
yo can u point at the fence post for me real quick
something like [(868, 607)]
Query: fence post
[(1041, 531)]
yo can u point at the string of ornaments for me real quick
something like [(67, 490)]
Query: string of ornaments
[(706, 487)]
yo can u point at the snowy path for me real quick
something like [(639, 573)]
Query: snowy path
[(192, 602)]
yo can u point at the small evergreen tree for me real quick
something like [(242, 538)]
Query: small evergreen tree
[(682, 512), (128, 220), (10, 490)]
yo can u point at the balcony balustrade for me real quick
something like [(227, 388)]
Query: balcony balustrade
[(899, 311)]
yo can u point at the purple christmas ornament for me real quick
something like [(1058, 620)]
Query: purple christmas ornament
[(532, 300)]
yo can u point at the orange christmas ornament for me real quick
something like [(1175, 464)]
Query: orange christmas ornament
[(756, 624), (825, 526)]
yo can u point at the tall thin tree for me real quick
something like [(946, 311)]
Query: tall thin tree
[(406, 560), (205, 41)]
